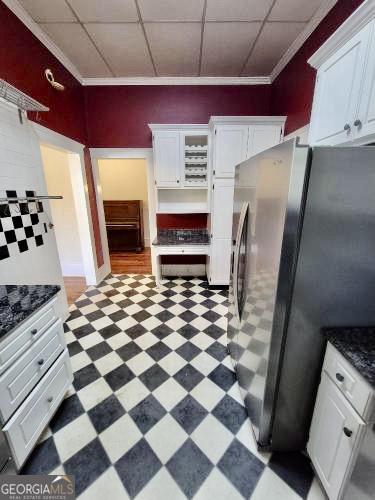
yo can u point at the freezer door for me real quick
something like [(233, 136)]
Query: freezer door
[(269, 191)]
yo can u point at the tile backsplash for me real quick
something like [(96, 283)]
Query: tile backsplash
[(22, 225)]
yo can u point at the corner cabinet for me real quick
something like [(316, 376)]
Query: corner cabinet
[(344, 98), (234, 139)]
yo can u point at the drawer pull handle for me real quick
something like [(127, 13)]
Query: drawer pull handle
[(50, 399), (340, 377), (347, 432), (40, 362), (34, 331)]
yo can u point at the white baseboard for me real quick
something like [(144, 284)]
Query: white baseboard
[(183, 270), (72, 269)]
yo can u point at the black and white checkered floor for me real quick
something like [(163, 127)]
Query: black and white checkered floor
[(155, 410)]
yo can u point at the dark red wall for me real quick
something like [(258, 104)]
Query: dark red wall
[(181, 221), (118, 116), (23, 59), (292, 91)]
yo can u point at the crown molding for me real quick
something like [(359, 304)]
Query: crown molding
[(178, 126), (24, 16), (235, 120), (317, 18), (360, 17), (179, 80)]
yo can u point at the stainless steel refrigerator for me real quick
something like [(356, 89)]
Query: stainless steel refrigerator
[(303, 258)]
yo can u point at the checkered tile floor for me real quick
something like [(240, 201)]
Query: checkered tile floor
[(155, 411)]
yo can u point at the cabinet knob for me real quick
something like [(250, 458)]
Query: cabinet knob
[(347, 127), (340, 377), (50, 399), (178, 181), (347, 432), (40, 362), (34, 331), (358, 123)]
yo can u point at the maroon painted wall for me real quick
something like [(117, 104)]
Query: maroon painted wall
[(118, 116), (292, 91), (181, 221), (23, 59)]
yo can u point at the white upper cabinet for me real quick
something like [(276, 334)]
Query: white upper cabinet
[(167, 158), (237, 138), (230, 148), (262, 137), (344, 99), (365, 119)]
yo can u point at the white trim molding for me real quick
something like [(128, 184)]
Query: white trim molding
[(178, 126), (251, 120), (179, 80), (317, 18), (360, 17), (58, 140), (16, 7)]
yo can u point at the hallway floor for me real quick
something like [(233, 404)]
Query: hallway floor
[(131, 262), (155, 410)]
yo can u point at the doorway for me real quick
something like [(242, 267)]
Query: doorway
[(57, 167), (124, 190)]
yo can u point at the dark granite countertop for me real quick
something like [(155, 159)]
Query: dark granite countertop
[(18, 302), (357, 345), (182, 237)]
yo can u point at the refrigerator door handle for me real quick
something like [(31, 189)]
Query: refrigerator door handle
[(236, 258)]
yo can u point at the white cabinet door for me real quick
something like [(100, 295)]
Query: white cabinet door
[(337, 92), (220, 260), (364, 124), (167, 158), (262, 137), (230, 148), (334, 431), (222, 208)]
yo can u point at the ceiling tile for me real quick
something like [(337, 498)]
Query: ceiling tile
[(175, 47), (238, 10), (48, 11), (294, 10), (271, 45), (105, 10), (171, 10), (226, 46), (76, 45), (124, 48)]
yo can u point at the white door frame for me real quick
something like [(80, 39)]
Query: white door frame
[(124, 153), (58, 141)]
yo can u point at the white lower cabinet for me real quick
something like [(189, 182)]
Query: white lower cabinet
[(335, 430), (25, 426), (220, 261), (24, 374)]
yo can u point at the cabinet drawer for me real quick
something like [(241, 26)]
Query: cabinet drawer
[(24, 374), (25, 335), (357, 391), (26, 425), (186, 250)]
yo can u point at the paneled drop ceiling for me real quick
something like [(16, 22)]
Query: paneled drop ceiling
[(143, 38)]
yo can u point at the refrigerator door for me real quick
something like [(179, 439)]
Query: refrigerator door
[(267, 214)]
